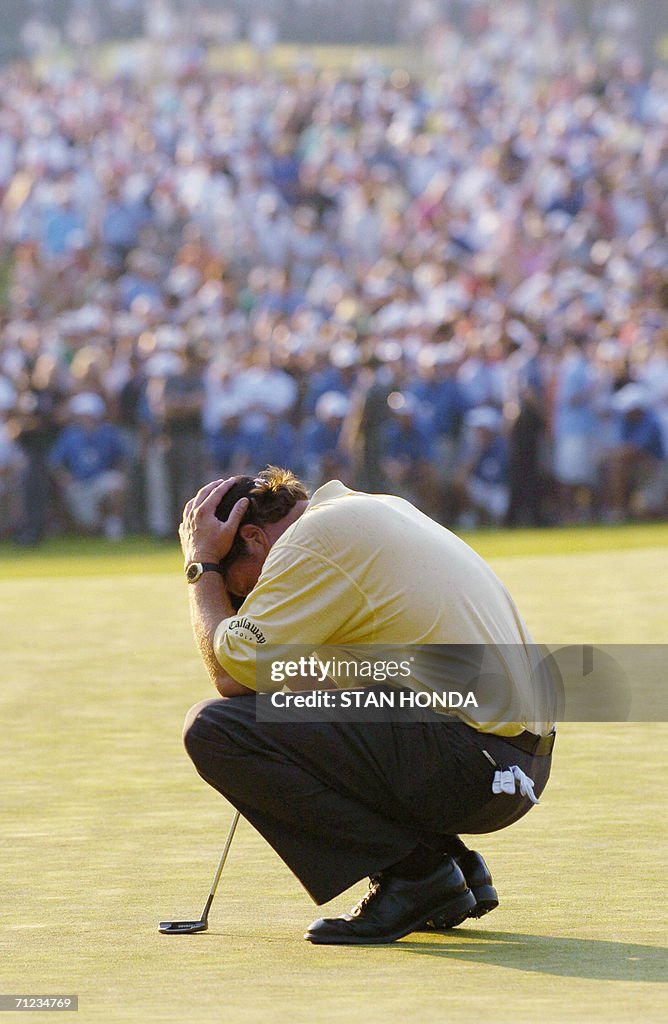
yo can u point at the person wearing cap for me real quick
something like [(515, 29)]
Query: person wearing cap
[(635, 468), (574, 429), (88, 461), (322, 449), (377, 381), (11, 462), (408, 451), (341, 799), (181, 403), (442, 405), (160, 367), (482, 479), (36, 421)]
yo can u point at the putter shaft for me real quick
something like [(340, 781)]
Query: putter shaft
[(221, 865), (186, 927)]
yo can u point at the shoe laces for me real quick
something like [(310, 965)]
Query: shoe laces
[(375, 882)]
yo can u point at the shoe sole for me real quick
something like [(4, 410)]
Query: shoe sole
[(486, 900), (454, 911)]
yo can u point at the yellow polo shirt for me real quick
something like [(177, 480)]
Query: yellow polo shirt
[(359, 569)]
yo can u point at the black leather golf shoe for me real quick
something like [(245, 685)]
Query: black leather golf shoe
[(479, 881), (394, 907)]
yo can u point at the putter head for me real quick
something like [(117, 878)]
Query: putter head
[(182, 927)]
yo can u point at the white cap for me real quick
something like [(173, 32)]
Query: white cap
[(164, 364), (87, 404), (631, 396), (447, 353), (183, 280), (170, 338), (484, 416), (332, 405), (84, 320), (519, 332), (343, 354), (388, 351)]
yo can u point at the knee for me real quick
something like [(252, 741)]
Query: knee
[(197, 727)]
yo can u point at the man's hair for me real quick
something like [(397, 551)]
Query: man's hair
[(271, 495)]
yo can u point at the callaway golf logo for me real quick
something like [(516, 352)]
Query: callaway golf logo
[(247, 630)]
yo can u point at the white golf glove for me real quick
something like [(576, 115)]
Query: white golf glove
[(506, 782)]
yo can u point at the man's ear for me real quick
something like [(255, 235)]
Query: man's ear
[(254, 537)]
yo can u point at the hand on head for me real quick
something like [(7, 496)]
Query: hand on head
[(203, 537)]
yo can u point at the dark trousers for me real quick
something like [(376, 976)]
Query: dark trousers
[(36, 490), (341, 800)]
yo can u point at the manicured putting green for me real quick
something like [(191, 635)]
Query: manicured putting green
[(107, 829)]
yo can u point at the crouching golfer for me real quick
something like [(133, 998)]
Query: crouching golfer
[(339, 800)]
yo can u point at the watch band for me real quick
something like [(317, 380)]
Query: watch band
[(195, 570)]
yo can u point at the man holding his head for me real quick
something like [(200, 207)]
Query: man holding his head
[(342, 799)]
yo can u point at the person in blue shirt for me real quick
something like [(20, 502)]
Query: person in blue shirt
[(121, 224), (263, 431), (63, 229), (88, 463), (142, 278), (321, 440), (574, 430), (442, 406), (336, 371), (636, 470), (228, 447), (407, 447), (233, 447), (481, 484), (284, 170)]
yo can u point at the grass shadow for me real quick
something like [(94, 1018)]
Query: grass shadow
[(544, 954)]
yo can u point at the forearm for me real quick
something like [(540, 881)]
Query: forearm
[(205, 539), (209, 605)]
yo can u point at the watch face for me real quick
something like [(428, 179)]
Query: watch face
[(193, 572)]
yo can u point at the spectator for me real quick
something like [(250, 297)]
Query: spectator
[(129, 403), (88, 463), (482, 480), (10, 462), (442, 404), (636, 468), (183, 402), (229, 448), (527, 440), (371, 414), (407, 450), (574, 430), (35, 426), (363, 234), (322, 450)]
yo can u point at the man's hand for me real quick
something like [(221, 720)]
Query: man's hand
[(203, 537)]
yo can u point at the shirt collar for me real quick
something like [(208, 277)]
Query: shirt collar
[(332, 489)]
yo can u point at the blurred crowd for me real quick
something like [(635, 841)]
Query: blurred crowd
[(451, 285)]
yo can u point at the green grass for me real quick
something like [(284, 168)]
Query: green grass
[(85, 556), (107, 829)]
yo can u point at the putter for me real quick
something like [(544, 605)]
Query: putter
[(189, 927)]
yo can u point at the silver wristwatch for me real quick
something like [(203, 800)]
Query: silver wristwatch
[(195, 570)]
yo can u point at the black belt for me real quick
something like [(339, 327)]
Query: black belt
[(532, 744)]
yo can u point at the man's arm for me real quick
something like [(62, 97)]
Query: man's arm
[(209, 605), (205, 539)]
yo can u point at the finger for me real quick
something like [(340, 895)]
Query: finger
[(204, 492), (217, 493), (237, 513)]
